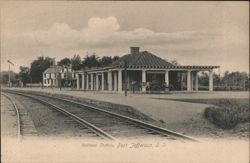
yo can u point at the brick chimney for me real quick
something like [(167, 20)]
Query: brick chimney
[(134, 50)]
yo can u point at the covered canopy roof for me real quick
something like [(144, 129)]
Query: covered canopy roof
[(145, 59), (141, 60)]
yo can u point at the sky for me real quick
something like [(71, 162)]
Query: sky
[(193, 33)]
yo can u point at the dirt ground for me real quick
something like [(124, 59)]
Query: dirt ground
[(8, 118), (47, 122), (180, 116)]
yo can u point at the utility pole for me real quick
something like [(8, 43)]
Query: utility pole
[(126, 77), (30, 82), (10, 63)]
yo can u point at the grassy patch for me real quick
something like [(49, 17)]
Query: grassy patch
[(227, 113)]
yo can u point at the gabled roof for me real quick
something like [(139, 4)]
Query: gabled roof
[(53, 69), (143, 59)]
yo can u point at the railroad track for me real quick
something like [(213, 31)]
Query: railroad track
[(25, 125), (112, 124), (17, 115), (88, 128)]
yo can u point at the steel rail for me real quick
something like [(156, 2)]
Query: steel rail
[(90, 126), (17, 113), (160, 130)]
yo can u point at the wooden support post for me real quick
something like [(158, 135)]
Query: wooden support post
[(87, 81), (120, 80), (210, 80), (143, 80), (96, 82), (167, 78), (77, 81), (109, 80), (115, 80), (83, 81), (189, 80), (196, 81), (103, 81)]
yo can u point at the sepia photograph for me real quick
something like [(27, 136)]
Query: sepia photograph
[(124, 81)]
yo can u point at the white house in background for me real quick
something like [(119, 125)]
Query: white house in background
[(54, 75)]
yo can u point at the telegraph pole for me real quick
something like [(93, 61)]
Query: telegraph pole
[(9, 76), (10, 63), (30, 82)]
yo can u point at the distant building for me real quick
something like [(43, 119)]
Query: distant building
[(55, 76), (144, 72)]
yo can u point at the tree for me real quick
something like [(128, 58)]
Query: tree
[(76, 62), (24, 74), (105, 61), (115, 58), (203, 78), (216, 79), (95, 61), (38, 66), (174, 62), (64, 62), (235, 78), (5, 77), (91, 61), (226, 73)]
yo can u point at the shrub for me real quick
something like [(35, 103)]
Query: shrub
[(228, 114)]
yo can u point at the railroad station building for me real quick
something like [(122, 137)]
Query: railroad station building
[(142, 71)]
